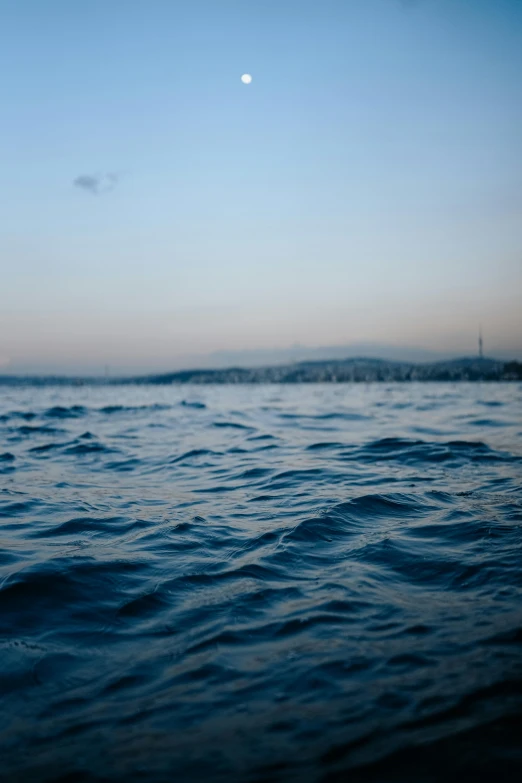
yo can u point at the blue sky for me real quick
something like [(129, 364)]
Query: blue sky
[(366, 187)]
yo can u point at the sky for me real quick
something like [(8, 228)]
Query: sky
[(365, 188)]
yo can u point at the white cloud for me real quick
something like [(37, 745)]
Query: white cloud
[(97, 183)]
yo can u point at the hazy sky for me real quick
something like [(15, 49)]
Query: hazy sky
[(367, 186)]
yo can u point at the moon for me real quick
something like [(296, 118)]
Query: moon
[(246, 78)]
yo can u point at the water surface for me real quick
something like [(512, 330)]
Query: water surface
[(312, 583)]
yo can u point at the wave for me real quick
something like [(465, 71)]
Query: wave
[(63, 412), (89, 447), (44, 429), (110, 409), (332, 416), (232, 425), (193, 454), (409, 450), (25, 415)]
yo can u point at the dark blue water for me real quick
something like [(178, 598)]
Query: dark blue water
[(313, 583)]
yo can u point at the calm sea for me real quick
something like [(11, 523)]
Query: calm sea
[(261, 583)]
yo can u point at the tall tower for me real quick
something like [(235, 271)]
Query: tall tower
[(481, 344)]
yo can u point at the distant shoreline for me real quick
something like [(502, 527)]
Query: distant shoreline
[(352, 370)]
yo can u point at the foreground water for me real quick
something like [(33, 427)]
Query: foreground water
[(261, 583)]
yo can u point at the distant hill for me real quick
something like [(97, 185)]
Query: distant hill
[(359, 369), (354, 370)]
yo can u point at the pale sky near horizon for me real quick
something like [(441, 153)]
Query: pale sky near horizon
[(366, 186)]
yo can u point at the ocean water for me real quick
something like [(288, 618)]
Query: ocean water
[(261, 583)]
